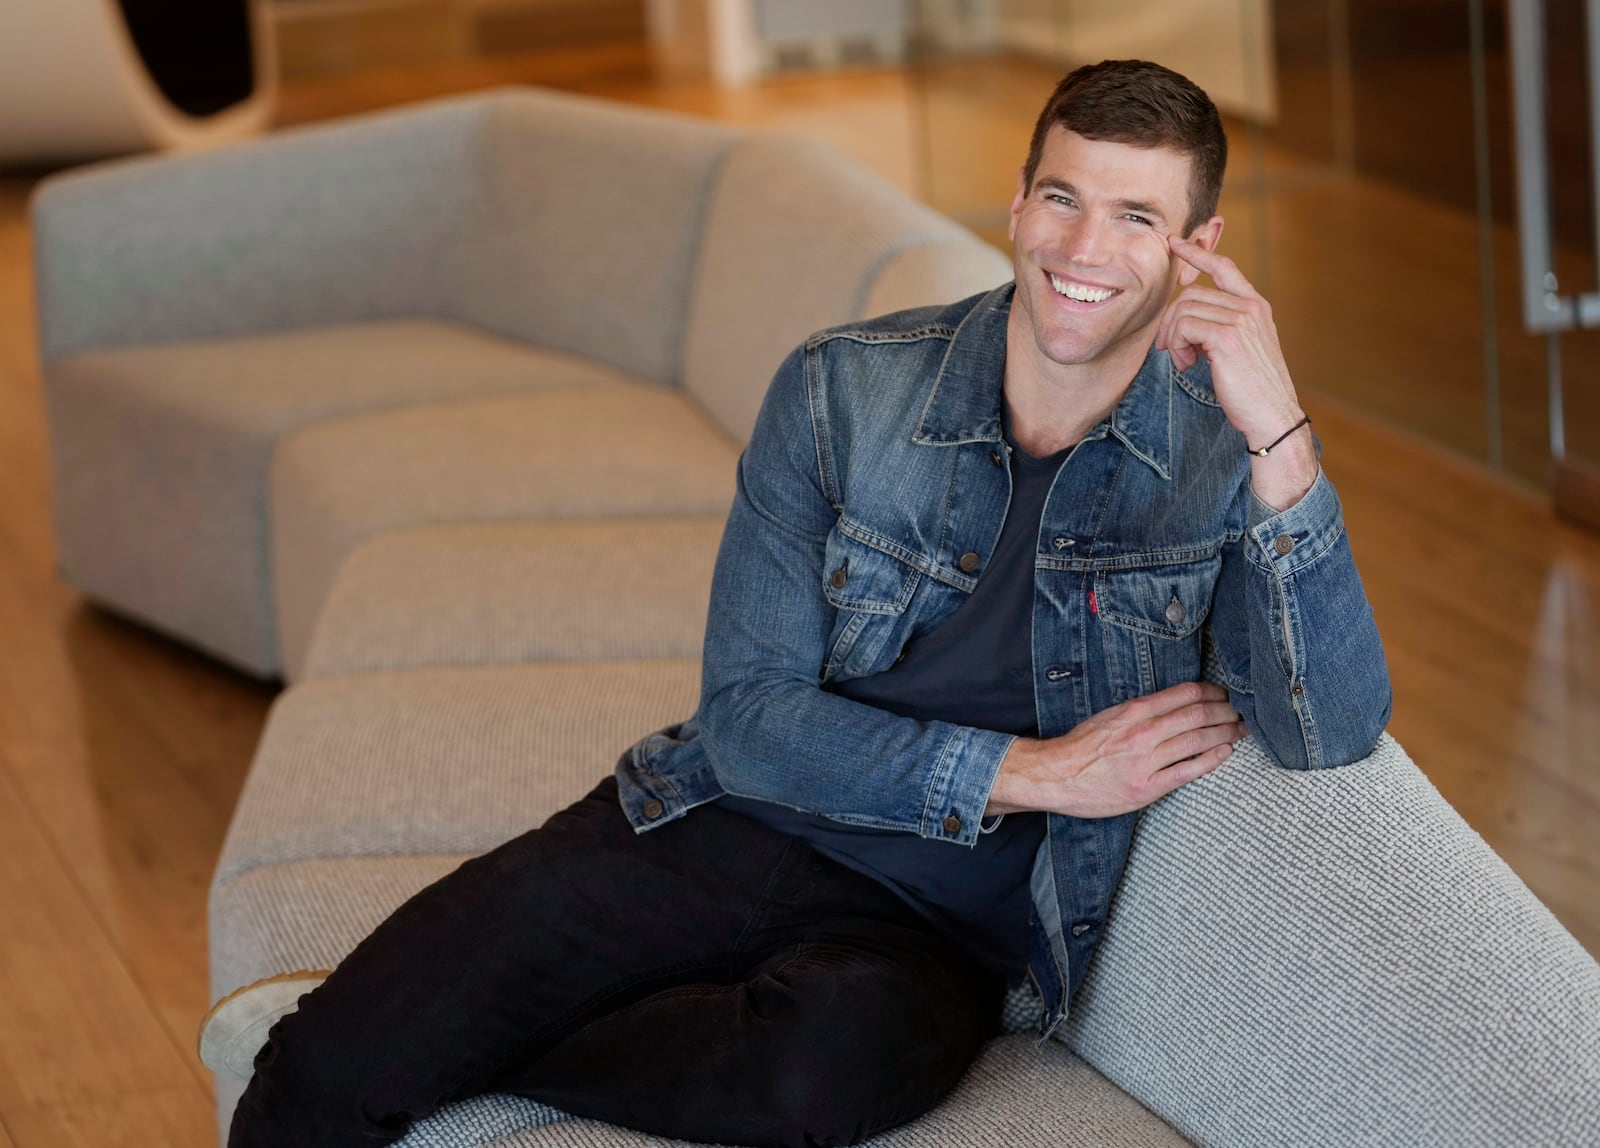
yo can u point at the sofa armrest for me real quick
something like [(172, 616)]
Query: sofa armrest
[(322, 225), (1335, 956)]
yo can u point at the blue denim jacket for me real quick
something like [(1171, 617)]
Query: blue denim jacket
[(871, 494)]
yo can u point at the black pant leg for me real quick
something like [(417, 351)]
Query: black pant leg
[(852, 1016), (500, 960)]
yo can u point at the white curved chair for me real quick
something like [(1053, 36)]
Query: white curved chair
[(80, 79)]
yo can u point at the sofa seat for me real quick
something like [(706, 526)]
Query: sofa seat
[(442, 760), (505, 592), (165, 450), (618, 450)]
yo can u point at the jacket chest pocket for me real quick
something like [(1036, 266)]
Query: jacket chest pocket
[(1153, 617), (869, 590)]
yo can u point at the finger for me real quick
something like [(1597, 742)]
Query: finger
[(1224, 272), (1218, 715), (1172, 698), (1194, 742), (1187, 301), (1181, 773)]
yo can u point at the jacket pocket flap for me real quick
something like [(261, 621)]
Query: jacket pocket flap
[(856, 576), (1169, 601)]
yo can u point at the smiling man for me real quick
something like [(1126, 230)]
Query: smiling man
[(997, 575)]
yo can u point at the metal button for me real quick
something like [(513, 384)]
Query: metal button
[(1056, 673), (839, 577), (1175, 612), (1298, 691), (969, 562), (1063, 542), (1080, 930), (994, 457), (1283, 543), (654, 809), (952, 825)]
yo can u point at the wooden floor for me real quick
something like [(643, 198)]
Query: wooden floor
[(121, 754)]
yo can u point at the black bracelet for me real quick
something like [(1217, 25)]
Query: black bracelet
[(1262, 453)]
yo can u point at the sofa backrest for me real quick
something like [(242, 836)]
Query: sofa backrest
[(584, 227), (799, 238), (1335, 957), (329, 224)]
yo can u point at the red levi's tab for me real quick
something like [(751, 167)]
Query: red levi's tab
[(1094, 607)]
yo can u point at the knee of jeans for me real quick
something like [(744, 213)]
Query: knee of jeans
[(843, 1073)]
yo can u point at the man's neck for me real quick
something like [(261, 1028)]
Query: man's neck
[(1052, 410)]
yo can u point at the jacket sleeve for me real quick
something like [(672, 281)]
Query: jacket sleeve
[(769, 729), (1296, 636)]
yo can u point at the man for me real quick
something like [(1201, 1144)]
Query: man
[(997, 575)]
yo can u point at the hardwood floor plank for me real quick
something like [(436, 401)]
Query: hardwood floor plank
[(76, 1026), (170, 1118)]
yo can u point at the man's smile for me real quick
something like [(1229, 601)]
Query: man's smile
[(1081, 292)]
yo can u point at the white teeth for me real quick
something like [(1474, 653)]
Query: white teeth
[(1080, 293)]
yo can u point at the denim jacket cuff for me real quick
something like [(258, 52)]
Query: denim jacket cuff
[(1289, 539), (962, 779)]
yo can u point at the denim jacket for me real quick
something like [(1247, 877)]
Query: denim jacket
[(870, 496)]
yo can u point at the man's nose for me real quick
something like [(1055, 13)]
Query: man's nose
[(1085, 241)]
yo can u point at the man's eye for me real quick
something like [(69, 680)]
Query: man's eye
[(1140, 219), (1057, 197)]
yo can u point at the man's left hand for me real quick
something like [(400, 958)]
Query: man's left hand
[(1231, 324)]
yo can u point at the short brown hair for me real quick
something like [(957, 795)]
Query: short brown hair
[(1145, 105)]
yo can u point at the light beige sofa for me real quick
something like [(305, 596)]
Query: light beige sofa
[(436, 414)]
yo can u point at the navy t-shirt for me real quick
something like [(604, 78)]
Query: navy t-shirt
[(975, 669)]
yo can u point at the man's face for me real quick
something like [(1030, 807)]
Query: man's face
[(1089, 248)]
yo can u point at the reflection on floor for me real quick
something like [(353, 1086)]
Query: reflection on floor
[(121, 754)]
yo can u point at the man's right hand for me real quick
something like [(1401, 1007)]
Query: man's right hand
[(1122, 758)]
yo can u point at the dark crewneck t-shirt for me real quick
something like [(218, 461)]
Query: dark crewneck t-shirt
[(975, 669)]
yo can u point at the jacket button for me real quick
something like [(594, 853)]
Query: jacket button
[(839, 577), (1298, 691), (653, 809), (969, 562), (1079, 930), (994, 457), (1063, 542), (952, 825), (1175, 612), (1283, 544)]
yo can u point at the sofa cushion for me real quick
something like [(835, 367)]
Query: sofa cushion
[(797, 238), (615, 451), (500, 592), (309, 914), (161, 455), (441, 761), (1338, 954)]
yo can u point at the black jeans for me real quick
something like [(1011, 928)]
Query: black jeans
[(709, 980)]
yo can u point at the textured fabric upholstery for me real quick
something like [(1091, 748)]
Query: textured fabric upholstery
[(161, 455), (321, 225), (595, 452), (586, 226), (474, 593), (796, 241), (1016, 1096), (441, 761), (1337, 958)]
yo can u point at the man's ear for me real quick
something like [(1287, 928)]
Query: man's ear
[(1017, 201), (1207, 235)]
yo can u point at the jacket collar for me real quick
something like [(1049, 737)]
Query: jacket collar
[(963, 404)]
